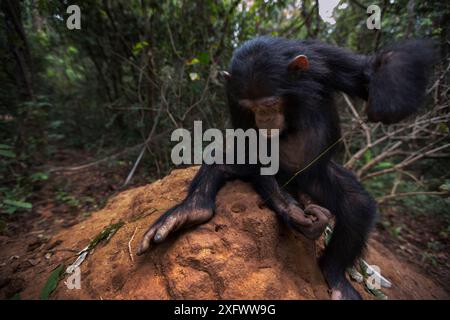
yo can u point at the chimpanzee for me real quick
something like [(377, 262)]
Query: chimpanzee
[(275, 83)]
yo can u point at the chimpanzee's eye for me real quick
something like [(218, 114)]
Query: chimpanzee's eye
[(270, 102)]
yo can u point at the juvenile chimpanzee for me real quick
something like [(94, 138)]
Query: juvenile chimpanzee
[(274, 83)]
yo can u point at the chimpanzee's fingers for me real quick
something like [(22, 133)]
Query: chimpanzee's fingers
[(148, 237), (318, 226), (322, 214), (171, 223), (298, 218)]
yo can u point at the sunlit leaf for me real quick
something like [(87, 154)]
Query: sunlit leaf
[(385, 165), (194, 76), (18, 204), (192, 61), (39, 176), (139, 46)]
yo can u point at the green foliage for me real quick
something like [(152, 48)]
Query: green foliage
[(16, 296), (14, 200), (52, 282), (377, 186), (5, 151), (39, 176), (105, 234), (64, 197), (396, 231), (384, 165), (142, 66), (10, 206), (139, 46), (428, 257)]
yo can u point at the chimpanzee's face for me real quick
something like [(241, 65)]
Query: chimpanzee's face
[(257, 92), (268, 112), (254, 82)]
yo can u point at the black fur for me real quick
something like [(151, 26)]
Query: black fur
[(393, 81), (398, 78)]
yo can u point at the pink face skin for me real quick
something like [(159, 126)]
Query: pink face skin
[(268, 112)]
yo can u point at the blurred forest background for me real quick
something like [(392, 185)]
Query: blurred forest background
[(87, 113)]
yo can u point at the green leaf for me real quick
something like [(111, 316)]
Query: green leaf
[(139, 46), (367, 156), (105, 234), (363, 268), (192, 61), (355, 275), (7, 153), (72, 50), (52, 282), (39, 176), (18, 204), (16, 296), (442, 127), (396, 231), (203, 57), (385, 165), (5, 146), (56, 124), (376, 292), (9, 209)]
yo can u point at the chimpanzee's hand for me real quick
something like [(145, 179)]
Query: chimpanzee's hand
[(320, 216), (183, 215), (311, 222)]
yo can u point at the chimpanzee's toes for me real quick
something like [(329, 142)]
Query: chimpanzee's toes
[(341, 288), (346, 292)]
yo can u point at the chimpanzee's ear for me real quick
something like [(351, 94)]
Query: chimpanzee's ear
[(300, 62), (225, 75)]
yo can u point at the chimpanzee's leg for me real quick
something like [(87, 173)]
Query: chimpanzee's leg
[(338, 190), (311, 224), (197, 207)]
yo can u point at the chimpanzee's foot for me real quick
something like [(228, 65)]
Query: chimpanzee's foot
[(341, 289), (345, 291), (183, 215), (311, 222)]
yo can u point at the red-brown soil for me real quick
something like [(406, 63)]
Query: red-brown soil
[(242, 253)]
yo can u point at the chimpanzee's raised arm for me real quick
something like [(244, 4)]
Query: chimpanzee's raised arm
[(398, 79), (393, 80)]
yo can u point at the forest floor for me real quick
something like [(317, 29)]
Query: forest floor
[(69, 197)]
